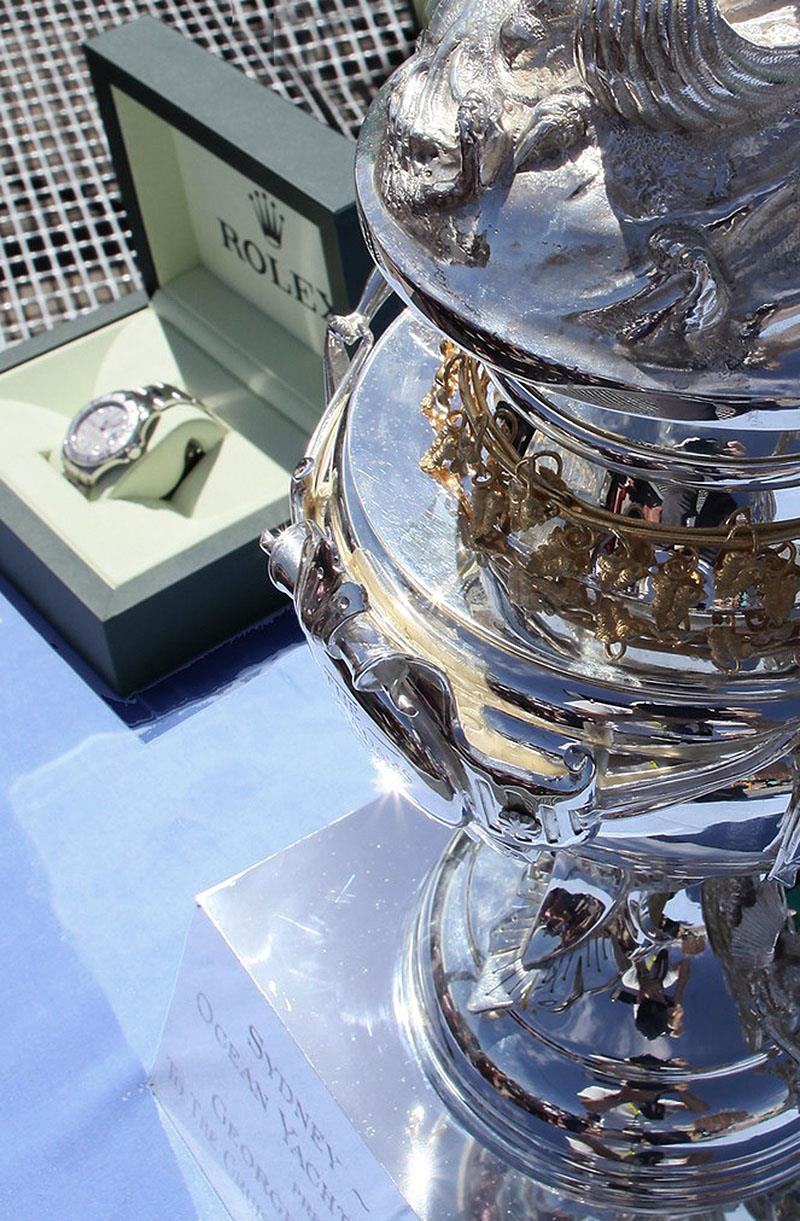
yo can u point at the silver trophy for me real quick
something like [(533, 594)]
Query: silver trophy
[(545, 544)]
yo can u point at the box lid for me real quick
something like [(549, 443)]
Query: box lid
[(221, 175)]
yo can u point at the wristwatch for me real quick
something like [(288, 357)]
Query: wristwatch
[(113, 431)]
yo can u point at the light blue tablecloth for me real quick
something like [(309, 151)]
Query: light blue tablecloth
[(114, 816)]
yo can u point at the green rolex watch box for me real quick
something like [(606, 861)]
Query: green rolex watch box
[(246, 233)]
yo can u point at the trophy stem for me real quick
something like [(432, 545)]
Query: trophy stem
[(623, 1043)]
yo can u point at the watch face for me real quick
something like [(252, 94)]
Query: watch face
[(102, 431)]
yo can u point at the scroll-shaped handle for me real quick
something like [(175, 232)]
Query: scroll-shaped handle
[(410, 702), (347, 331)]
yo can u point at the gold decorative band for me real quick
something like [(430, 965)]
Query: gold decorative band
[(725, 591)]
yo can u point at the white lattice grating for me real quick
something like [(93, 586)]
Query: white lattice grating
[(64, 242)]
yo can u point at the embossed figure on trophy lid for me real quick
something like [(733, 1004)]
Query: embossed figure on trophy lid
[(631, 167)]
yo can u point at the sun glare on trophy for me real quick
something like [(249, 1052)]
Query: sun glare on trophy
[(421, 1169), (388, 780)]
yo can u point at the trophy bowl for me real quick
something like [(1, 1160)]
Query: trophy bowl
[(545, 546)]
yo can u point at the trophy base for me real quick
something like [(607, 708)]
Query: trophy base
[(286, 1066), (606, 1036)]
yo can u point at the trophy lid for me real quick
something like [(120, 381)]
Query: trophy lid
[(603, 198)]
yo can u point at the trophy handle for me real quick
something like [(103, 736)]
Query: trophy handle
[(353, 330), (410, 700), (412, 703)]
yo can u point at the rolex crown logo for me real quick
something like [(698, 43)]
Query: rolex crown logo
[(270, 220)]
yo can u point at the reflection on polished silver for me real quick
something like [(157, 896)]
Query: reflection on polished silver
[(114, 430), (629, 811), (634, 1047), (616, 559), (629, 168), (487, 1193), (551, 568)]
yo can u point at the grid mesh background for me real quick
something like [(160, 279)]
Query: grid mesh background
[(65, 247)]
